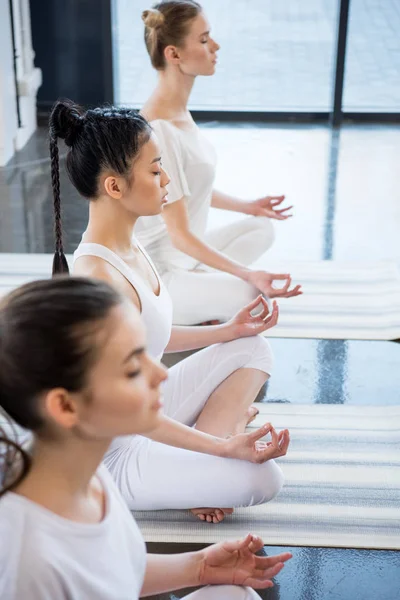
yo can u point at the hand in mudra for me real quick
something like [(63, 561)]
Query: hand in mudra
[(268, 207), (263, 281), (236, 563), (250, 447), (245, 324)]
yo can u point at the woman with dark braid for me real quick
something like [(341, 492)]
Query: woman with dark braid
[(74, 370), (199, 456)]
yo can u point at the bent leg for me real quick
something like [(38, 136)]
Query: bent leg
[(245, 240)]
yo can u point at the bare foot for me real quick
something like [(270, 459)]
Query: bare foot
[(251, 412), (211, 515)]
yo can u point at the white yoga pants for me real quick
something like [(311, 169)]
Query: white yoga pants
[(203, 293), (154, 476), (223, 592)]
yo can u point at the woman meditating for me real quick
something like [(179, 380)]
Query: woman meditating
[(199, 456), (208, 274)]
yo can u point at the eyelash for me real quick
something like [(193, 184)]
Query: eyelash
[(133, 374), (156, 172), (204, 41)]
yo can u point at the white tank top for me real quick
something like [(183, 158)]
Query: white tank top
[(156, 310)]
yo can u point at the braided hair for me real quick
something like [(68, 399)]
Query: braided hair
[(98, 139)]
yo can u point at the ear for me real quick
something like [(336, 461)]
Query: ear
[(62, 408), (114, 186), (172, 55)]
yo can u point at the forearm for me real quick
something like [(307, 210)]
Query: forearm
[(168, 572), (173, 433), (190, 244), (227, 202), (194, 337)]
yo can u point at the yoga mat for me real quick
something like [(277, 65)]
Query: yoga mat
[(341, 300), (342, 485)]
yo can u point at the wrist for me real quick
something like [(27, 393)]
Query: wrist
[(244, 273)]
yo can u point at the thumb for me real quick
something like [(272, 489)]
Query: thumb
[(259, 433), (238, 544)]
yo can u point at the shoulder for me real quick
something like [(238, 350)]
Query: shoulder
[(25, 564), (98, 268)]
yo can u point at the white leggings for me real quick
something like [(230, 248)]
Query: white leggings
[(223, 592), (203, 293), (154, 476)]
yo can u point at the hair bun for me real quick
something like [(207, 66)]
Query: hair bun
[(66, 121), (153, 18)]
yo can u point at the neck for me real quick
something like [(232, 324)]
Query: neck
[(174, 89), (61, 472), (110, 225)]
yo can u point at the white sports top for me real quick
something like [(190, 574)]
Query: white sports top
[(190, 161), (156, 310), (46, 557)]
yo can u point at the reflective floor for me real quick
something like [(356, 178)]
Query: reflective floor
[(325, 574), (345, 188)]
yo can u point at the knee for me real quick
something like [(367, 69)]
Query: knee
[(267, 482), (257, 353), (266, 229)]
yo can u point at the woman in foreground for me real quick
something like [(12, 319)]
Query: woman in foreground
[(87, 377)]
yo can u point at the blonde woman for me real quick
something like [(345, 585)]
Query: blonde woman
[(208, 275)]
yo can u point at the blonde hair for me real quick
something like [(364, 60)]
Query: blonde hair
[(167, 24)]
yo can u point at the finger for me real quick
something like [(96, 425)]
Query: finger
[(265, 309), (233, 546), (283, 210), (278, 292), (271, 572), (284, 445), (274, 437), (259, 433), (256, 544), (279, 276), (272, 320), (296, 291), (275, 200), (265, 562), (252, 305)]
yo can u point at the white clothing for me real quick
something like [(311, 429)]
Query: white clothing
[(223, 592), (203, 294), (154, 476), (190, 161), (46, 557), (156, 309), (151, 475)]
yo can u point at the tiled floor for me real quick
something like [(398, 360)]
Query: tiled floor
[(347, 204), (276, 55)]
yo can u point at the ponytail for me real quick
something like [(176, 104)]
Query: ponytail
[(15, 461), (60, 264)]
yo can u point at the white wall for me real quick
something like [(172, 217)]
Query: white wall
[(8, 112), (29, 79)]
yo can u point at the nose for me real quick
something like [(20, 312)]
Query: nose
[(216, 46), (165, 179)]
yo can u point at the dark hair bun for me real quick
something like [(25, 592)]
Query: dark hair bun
[(66, 121)]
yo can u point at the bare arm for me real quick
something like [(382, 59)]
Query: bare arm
[(176, 434), (177, 220), (191, 338), (227, 202), (165, 573)]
